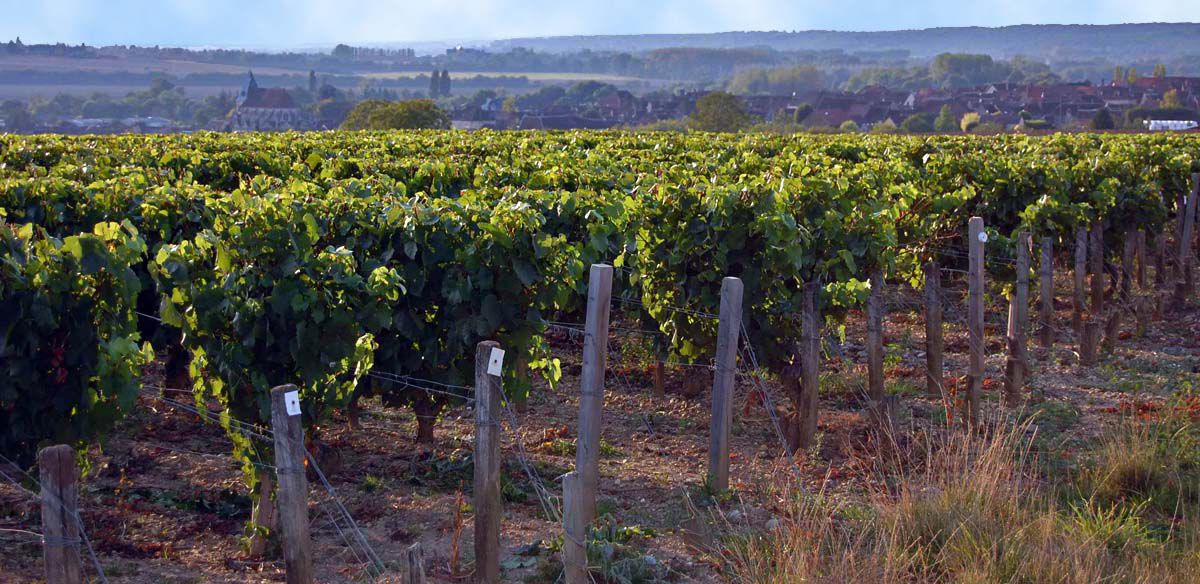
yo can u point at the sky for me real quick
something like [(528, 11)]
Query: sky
[(317, 23)]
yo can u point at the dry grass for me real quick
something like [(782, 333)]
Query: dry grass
[(971, 507)]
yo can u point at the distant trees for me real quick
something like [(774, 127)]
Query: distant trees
[(439, 84), (849, 127), (776, 81), (1136, 117), (945, 121), (969, 121), (917, 124), (955, 70), (1160, 71), (960, 70), (987, 128), (16, 116), (1132, 76), (330, 113), (802, 112), (1103, 120), (312, 82), (1171, 100), (376, 114), (885, 127), (720, 112)]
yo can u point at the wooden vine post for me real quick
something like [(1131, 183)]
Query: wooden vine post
[(1128, 272), (875, 384), (810, 363), (975, 276), (1046, 293), (660, 382), (1160, 260), (292, 492), (1080, 274), (1141, 259), (1017, 365), (488, 361), (1089, 343), (1096, 257), (59, 478), (574, 550), (1183, 286), (728, 332), (934, 343), (1195, 216), (412, 569), (1180, 208), (591, 380)]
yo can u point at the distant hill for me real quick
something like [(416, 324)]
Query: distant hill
[(1070, 41)]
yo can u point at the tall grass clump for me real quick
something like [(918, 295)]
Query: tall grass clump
[(972, 507)]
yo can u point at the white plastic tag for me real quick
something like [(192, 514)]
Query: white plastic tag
[(291, 400), (496, 362), (982, 237)]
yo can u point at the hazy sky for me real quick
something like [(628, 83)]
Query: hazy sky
[(295, 23)]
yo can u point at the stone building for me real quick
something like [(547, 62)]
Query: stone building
[(266, 109)]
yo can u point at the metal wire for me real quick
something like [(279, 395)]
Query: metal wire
[(252, 431), (536, 480), (73, 514), (368, 551), (417, 384)]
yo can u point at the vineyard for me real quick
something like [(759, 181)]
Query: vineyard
[(156, 293)]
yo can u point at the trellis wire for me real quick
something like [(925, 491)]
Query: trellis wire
[(74, 515), (251, 431)]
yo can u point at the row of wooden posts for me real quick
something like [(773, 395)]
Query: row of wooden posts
[(60, 475)]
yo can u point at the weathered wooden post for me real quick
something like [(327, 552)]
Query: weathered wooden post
[(1192, 245), (875, 388), (934, 343), (971, 402), (591, 381), (1141, 259), (574, 548), (59, 477), (1089, 343), (1046, 293), (1160, 260), (660, 382), (1184, 286), (1180, 210), (291, 497), (1017, 364), (1080, 273), (1128, 273), (488, 510), (728, 332), (1143, 311), (1112, 329), (413, 568), (1096, 256), (810, 361)]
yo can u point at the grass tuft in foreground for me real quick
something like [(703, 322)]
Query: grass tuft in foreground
[(974, 508)]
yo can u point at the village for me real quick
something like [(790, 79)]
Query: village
[(1150, 103), (1147, 103)]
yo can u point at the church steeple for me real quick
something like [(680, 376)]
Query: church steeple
[(253, 83)]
